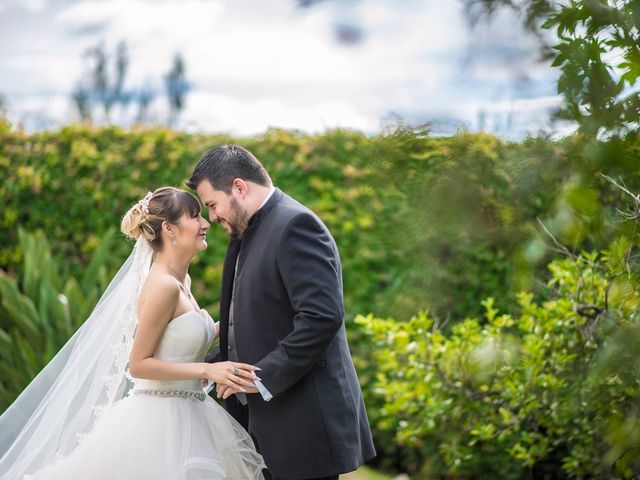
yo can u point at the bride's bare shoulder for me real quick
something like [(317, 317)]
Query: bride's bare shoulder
[(160, 286)]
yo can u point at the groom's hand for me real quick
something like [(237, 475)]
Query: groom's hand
[(240, 376), (224, 391), (221, 389)]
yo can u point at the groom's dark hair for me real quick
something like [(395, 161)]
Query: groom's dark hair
[(223, 164)]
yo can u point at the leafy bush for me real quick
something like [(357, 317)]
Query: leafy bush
[(552, 389)]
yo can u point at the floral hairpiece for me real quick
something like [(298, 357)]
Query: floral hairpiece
[(145, 202)]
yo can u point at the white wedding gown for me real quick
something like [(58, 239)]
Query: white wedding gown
[(154, 434)]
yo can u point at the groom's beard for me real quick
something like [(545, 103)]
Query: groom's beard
[(239, 222)]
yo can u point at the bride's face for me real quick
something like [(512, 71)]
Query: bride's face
[(192, 232)]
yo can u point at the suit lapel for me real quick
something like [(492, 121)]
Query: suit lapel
[(228, 273)]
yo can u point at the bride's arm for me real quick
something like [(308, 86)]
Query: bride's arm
[(154, 316), (216, 329)]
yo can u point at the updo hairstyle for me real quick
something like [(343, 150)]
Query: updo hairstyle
[(166, 204)]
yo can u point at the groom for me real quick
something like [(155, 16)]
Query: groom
[(282, 310)]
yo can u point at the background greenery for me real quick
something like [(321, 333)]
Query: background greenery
[(423, 223)]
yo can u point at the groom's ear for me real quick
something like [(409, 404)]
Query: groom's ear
[(241, 187)]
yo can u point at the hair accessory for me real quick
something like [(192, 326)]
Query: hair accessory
[(145, 202)]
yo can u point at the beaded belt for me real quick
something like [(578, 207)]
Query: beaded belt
[(171, 393)]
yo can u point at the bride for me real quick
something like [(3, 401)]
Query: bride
[(114, 405)]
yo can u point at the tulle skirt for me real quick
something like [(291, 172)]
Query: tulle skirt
[(145, 437)]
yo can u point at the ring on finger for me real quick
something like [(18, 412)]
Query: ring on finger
[(234, 371)]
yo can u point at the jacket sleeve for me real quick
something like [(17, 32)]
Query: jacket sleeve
[(309, 266)]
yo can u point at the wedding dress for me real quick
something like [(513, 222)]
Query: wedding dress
[(162, 430), (118, 428)]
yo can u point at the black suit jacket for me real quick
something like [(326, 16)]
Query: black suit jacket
[(289, 316)]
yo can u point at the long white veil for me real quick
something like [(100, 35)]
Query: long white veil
[(89, 374)]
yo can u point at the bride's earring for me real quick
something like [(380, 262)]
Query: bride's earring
[(173, 240)]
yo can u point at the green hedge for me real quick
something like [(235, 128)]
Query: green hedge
[(421, 222), (77, 183)]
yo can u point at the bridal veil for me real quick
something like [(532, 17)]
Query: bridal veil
[(89, 374)]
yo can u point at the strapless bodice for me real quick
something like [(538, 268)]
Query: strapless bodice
[(185, 339)]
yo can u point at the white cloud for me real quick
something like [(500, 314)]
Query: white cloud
[(524, 104), (212, 112), (137, 19), (259, 64), (36, 112), (32, 6), (42, 72)]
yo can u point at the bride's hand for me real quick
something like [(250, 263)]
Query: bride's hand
[(222, 373)]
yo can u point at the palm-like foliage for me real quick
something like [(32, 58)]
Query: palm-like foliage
[(41, 309)]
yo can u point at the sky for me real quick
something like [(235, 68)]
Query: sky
[(251, 65)]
